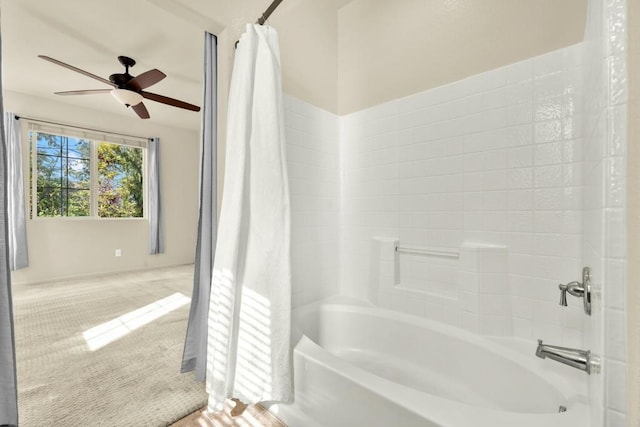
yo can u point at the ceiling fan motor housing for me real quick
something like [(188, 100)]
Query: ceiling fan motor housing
[(121, 79)]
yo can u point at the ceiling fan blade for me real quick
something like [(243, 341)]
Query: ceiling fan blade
[(146, 79), (169, 101), (141, 110), (76, 69), (83, 92)]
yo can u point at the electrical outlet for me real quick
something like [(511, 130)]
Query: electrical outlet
[(118, 252)]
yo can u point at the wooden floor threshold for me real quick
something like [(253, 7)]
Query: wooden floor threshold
[(234, 414)]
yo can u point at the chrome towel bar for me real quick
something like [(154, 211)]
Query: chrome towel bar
[(427, 252)]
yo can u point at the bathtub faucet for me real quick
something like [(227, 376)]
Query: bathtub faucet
[(579, 359)]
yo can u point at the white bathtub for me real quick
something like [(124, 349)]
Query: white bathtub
[(361, 366)]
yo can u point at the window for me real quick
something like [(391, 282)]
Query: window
[(63, 171), (84, 175)]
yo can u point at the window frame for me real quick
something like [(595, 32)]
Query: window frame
[(94, 138)]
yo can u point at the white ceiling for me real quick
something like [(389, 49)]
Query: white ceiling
[(90, 34)]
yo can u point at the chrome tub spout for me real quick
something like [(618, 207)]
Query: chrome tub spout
[(579, 359)]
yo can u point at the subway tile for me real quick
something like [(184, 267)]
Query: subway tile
[(520, 135), (520, 92), (548, 108), (520, 178), (547, 312), (615, 293), (548, 199), (572, 222), (495, 221), (520, 71), (617, 79), (615, 229), (616, 386), (615, 334), (523, 328), (495, 159), (548, 154), (493, 304), (618, 136), (551, 333), (547, 131), (572, 338), (520, 242), (547, 176), (572, 126), (548, 63), (494, 180), (572, 174), (493, 201), (522, 307), (520, 200), (573, 316), (572, 198), (493, 283), (520, 157)]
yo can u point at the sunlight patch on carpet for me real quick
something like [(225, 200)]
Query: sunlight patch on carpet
[(108, 332)]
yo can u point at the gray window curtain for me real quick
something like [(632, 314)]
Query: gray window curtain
[(156, 244), (8, 386), (16, 212), (195, 347)]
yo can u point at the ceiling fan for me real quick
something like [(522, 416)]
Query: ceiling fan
[(127, 89)]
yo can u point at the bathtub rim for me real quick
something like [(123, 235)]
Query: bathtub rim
[(572, 391)]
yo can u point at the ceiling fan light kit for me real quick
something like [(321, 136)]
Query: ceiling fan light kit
[(127, 89), (127, 97)]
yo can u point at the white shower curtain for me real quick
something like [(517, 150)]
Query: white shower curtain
[(248, 351)]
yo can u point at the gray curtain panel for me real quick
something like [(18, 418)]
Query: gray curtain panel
[(156, 244), (16, 212), (195, 346), (8, 385)]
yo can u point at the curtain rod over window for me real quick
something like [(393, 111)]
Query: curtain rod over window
[(82, 128)]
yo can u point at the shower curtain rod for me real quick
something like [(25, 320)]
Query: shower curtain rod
[(263, 18), (81, 128), (267, 13)]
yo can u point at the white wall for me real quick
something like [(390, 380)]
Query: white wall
[(389, 49), (66, 247), (314, 180)]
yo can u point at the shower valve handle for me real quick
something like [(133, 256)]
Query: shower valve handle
[(563, 295), (577, 289)]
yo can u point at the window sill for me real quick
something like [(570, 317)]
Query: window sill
[(82, 218)]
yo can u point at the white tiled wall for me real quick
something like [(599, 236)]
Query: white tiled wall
[(604, 208), (314, 175), (492, 159)]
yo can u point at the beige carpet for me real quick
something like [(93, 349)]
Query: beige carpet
[(132, 381)]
